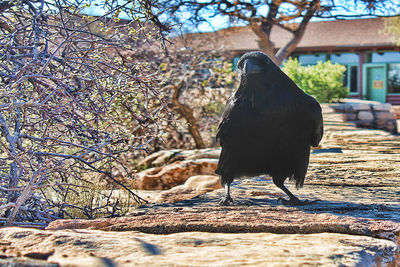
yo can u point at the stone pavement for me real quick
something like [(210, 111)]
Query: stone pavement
[(355, 174)]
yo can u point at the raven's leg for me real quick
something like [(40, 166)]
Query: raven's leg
[(226, 200), (293, 200)]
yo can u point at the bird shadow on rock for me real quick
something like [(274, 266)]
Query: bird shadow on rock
[(349, 209), (149, 248), (387, 208), (246, 198)]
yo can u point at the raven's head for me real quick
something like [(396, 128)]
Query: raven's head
[(254, 63)]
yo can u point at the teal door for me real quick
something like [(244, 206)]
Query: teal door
[(374, 82)]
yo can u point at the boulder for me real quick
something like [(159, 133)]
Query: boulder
[(396, 111), (365, 115), (168, 156), (158, 158), (339, 107), (194, 186), (349, 117), (168, 176), (368, 114), (384, 116), (358, 106), (387, 124), (203, 182), (381, 107)]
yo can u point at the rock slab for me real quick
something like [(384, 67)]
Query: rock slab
[(354, 173), (98, 248)]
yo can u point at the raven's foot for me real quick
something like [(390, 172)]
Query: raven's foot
[(296, 202), (226, 201)]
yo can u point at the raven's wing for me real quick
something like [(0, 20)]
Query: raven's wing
[(317, 123), (225, 123)]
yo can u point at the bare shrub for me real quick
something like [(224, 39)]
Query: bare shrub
[(197, 84), (71, 102)]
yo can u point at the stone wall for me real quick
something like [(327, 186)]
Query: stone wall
[(396, 111), (369, 114)]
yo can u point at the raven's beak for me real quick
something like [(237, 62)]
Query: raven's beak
[(251, 68)]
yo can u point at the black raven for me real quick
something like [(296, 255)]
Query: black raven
[(267, 127)]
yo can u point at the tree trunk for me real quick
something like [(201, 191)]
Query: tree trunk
[(262, 30), (187, 113), (291, 45)]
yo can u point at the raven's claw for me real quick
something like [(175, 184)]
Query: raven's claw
[(226, 201)]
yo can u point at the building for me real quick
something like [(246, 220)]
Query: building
[(371, 58)]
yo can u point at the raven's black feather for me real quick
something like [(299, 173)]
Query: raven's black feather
[(267, 126)]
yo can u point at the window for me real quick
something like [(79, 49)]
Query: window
[(311, 59), (350, 78), (345, 58), (350, 61), (394, 78), (385, 57), (353, 79)]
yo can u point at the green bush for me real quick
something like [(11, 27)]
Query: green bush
[(324, 81)]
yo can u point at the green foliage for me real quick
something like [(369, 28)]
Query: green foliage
[(324, 81)]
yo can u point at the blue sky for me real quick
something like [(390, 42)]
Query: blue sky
[(220, 22)]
